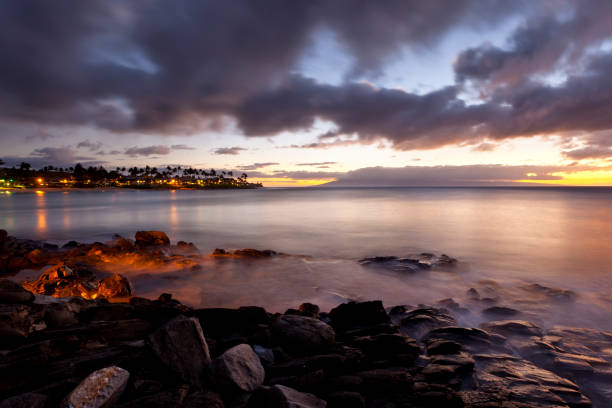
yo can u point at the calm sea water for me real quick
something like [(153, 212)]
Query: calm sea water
[(505, 238)]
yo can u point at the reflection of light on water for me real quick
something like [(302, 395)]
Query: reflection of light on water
[(173, 216), (41, 211)]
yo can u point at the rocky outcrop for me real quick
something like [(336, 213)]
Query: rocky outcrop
[(181, 345), (238, 369), (151, 238), (302, 334), (280, 396), (416, 263), (12, 292)]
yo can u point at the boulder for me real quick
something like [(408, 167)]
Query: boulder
[(180, 344), (346, 399), (151, 238), (302, 334), (11, 292), (238, 369), (355, 315), (500, 311), (100, 389), (387, 346), (27, 400), (116, 286), (279, 396)]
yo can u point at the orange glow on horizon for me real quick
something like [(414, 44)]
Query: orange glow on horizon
[(599, 178), (289, 182)]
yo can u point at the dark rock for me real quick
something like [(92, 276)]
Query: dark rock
[(471, 339), (473, 294), (437, 395), (345, 400), (554, 294), (500, 311), (11, 292), (221, 322), (438, 346), (301, 334), (203, 399), (70, 244), (265, 354), (173, 397), (417, 323), (60, 315), (187, 247), (299, 366), (180, 344), (354, 315), (151, 238), (116, 286), (416, 263), (3, 236), (387, 345), (279, 396), (219, 251), (123, 244), (254, 253), (238, 369), (309, 310), (27, 400), (513, 328)]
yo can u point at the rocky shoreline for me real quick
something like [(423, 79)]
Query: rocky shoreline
[(81, 341)]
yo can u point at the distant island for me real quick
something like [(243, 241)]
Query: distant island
[(25, 177)]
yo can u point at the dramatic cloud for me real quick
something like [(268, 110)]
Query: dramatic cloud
[(155, 67), (55, 156), (229, 150), (147, 151), (151, 67), (256, 166)]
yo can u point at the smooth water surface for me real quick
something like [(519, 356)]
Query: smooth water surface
[(559, 237)]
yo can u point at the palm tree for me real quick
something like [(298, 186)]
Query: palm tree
[(1, 162), (25, 166)]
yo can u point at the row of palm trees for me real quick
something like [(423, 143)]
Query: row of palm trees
[(146, 175)]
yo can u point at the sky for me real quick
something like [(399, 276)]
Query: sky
[(300, 93)]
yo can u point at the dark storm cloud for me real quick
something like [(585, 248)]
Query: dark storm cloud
[(229, 150), (151, 67)]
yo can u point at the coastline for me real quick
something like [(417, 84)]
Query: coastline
[(362, 354)]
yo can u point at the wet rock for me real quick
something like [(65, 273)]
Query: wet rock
[(279, 396), (437, 395), (27, 400), (11, 292), (60, 315), (123, 244), (302, 334), (219, 251), (513, 328), (356, 315), (554, 294), (500, 311), (116, 286), (471, 339), (238, 369), (61, 281), (70, 244), (299, 366), (417, 323), (265, 354), (16, 323), (222, 322), (100, 389), (416, 263), (180, 344), (473, 294), (254, 253), (439, 346), (345, 400), (514, 380), (151, 238), (376, 382)]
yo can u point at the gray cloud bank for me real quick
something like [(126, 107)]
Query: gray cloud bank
[(156, 67)]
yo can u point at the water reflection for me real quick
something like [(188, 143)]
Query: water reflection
[(41, 212)]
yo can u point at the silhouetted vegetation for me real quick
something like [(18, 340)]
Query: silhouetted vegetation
[(24, 176)]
